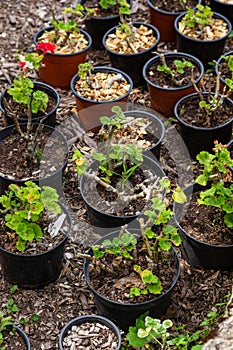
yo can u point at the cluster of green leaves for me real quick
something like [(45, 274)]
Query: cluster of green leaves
[(84, 72), (179, 68), (116, 122), (151, 282), (23, 87), (24, 208), (5, 321), (201, 15), (124, 7), (229, 81), (219, 194)]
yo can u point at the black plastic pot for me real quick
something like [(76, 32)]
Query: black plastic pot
[(163, 98), (104, 220), (156, 128), (36, 270), (205, 50), (23, 336), (103, 24), (125, 314), (90, 319), (230, 148), (54, 180), (199, 139), (89, 111), (220, 67), (224, 8), (132, 64), (51, 116), (197, 253)]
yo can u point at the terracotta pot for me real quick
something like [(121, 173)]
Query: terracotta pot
[(89, 111), (132, 64), (199, 139), (164, 21), (163, 99), (125, 314), (224, 8), (33, 271), (103, 24), (197, 253), (51, 115), (205, 50), (58, 69), (90, 319)]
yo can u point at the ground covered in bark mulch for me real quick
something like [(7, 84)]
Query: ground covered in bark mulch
[(197, 291)]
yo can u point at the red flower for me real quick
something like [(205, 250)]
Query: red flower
[(22, 64), (46, 47)]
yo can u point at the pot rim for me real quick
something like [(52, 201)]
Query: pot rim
[(189, 190), (164, 11), (89, 318), (171, 54), (24, 335), (120, 304), (109, 216), (228, 53), (194, 126), (136, 24), (203, 42), (103, 69), (41, 31)]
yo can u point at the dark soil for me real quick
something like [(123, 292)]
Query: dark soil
[(174, 6), (192, 114), (197, 291), (166, 80), (206, 223), (13, 340)]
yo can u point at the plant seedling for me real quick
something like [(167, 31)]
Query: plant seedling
[(24, 208), (215, 168), (202, 16), (5, 321)]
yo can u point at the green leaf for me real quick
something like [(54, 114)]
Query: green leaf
[(179, 196)]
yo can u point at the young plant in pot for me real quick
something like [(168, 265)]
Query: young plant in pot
[(64, 46), (169, 77), (28, 99), (34, 230), (130, 45), (100, 332), (224, 66), (118, 184), (106, 14), (202, 33), (139, 127), (131, 271), (205, 116), (163, 14), (97, 90), (12, 336), (206, 222)]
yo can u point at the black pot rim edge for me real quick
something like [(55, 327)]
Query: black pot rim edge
[(171, 54), (103, 69), (41, 31), (193, 126), (176, 276), (228, 53), (149, 25), (90, 318), (149, 3), (215, 15), (191, 187)]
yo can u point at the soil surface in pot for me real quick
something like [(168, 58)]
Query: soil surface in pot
[(113, 10), (216, 29), (115, 281), (90, 336), (13, 108), (173, 6), (126, 205), (192, 114), (52, 235), (141, 39), (75, 43), (50, 156), (102, 87), (166, 80), (206, 223), (13, 341), (138, 131)]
